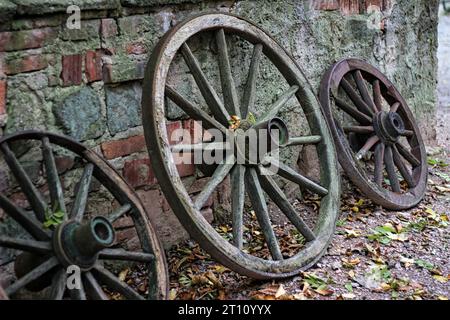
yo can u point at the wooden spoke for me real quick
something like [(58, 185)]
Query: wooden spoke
[(250, 88), (114, 283), (78, 294), (40, 247), (209, 94), (119, 212), (54, 184), (364, 91), (199, 147), (367, 146), (194, 112), (256, 195), (237, 202), (219, 175), (379, 164), (121, 254), (79, 205), (32, 194), (280, 103), (395, 107), (377, 96), (353, 112), (291, 175), (303, 140), (230, 95), (357, 100), (407, 155), (30, 224), (277, 195), (59, 284), (408, 133), (93, 288), (359, 129), (402, 167), (32, 275), (390, 168)]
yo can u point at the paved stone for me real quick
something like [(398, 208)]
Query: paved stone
[(123, 107), (80, 115)]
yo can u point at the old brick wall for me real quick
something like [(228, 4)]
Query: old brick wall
[(87, 83)]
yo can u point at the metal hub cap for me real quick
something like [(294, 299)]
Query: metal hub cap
[(388, 126), (79, 244), (253, 145)]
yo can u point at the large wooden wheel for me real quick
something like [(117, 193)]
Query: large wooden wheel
[(379, 144), (47, 230), (252, 192)]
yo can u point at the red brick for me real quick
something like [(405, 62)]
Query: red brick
[(186, 170), (171, 127), (124, 147), (71, 73), (64, 163), (27, 39), (349, 7), (326, 5), (169, 229), (2, 97), (28, 63), (136, 48), (139, 173), (108, 28), (195, 130), (93, 65), (377, 3), (129, 237), (124, 222)]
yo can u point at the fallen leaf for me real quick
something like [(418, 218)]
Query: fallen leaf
[(348, 296), (324, 291), (280, 292), (441, 279), (350, 233), (123, 274), (173, 294)]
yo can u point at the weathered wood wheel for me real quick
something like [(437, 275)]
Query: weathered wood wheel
[(247, 178), (378, 142), (49, 231)]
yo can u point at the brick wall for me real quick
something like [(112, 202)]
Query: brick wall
[(86, 83)]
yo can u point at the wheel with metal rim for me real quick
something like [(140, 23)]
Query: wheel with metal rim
[(51, 237), (253, 193), (378, 141)]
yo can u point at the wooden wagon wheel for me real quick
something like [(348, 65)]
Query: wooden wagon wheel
[(58, 233), (378, 142), (246, 178)]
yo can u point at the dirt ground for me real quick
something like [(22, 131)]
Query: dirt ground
[(374, 254)]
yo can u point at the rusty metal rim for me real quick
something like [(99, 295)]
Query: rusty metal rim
[(386, 198), (123, 192), (166, 172)]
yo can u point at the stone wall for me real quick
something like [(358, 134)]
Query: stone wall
[(86, 83)]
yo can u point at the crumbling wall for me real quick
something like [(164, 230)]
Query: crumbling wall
[(86, 83)]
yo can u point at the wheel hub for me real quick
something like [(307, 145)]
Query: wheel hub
[(253, 145), (79, 243), (388, 126)]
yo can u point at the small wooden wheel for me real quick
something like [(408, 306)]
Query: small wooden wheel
[(378, 142), (235, 250), (47, 236)]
